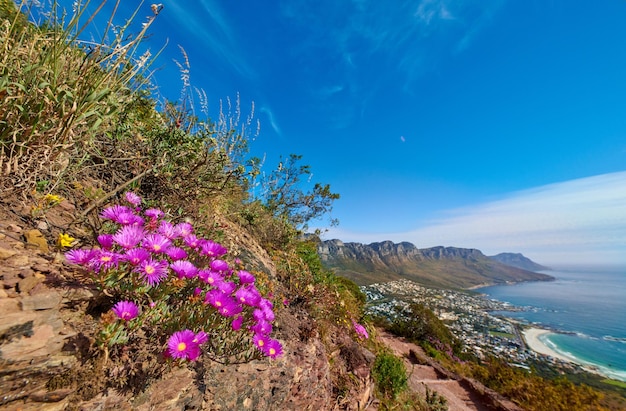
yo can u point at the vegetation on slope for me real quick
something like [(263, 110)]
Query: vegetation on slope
[(79, 121), (527, 388)]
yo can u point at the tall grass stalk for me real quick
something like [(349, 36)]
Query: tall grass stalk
[(59, 91)]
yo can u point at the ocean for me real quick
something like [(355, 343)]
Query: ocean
[(585, 305)]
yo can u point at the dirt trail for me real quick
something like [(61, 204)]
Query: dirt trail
[(421, 377)]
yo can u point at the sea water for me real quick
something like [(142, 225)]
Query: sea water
[(585, 305)]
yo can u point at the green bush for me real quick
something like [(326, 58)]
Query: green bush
[(389, 374)]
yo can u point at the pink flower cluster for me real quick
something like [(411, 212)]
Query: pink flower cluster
[(361, 332), (154, 249)]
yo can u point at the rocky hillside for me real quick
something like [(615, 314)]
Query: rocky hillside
[(437, 266), (50, 312), (518, 260)]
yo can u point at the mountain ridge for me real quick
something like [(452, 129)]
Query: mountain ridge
[(445, 267)]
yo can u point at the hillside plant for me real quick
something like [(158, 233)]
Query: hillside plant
[(59, 92), (175, 291), (389, 375)]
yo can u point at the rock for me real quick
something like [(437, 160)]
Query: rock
[(6, 253), (19, 261), (34, 237), (50, 396), (14, 228), (42, 225), (9, 305), (175, 391), (67, 206), (28, 283), (10, 279), (43, 301), (3, 294)]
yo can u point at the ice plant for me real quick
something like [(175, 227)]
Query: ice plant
[(126, 310), (133, 198), (152, 271), (182, 345), (361, 332), (128, 236), (185, 280)]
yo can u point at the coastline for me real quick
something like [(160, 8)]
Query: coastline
[(531, 337)]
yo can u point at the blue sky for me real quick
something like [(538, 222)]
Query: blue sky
[(493, 124)]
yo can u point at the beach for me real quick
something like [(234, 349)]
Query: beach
[(531, 336)]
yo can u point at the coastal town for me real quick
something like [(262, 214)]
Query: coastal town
[(471, 317)]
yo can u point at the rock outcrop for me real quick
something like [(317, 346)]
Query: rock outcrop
[(48, 360)]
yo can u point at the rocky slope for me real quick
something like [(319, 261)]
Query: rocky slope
[(48, 362), (437, 266)]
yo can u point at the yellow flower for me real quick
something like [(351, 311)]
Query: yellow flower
[(52, 198), (65, 240)]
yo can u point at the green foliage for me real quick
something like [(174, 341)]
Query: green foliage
[(389, 375), (533, 392), (419, 324), (57, 94), (435, 401), (284, 198)]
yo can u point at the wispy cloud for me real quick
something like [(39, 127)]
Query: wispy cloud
[(272, 120), (211, 26), (578, 221), (404, 41)]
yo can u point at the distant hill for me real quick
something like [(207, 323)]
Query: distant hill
[(519, 261), (446, 267)]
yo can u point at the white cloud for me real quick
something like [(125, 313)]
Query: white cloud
[(578, 221), (272, 119)]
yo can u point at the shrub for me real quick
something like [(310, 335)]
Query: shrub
[(389, 374)]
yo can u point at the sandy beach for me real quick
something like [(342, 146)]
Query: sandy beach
[(531, 336)]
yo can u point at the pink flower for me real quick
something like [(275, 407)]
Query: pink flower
[(210, 277), (153, 272), (262, 327), (167, 230), (136, 255), (129, 218), (112, 213), (176, 253), (219, 265), (184, 269), (260, 341), (104, 259), (183, 229), (361, 332), (156, 243), (212, 249), (154, 213), (133, 198), (80, 257), (248, 295), (182, 345), (201, 338), (223, 303), (126, 310), (245, 277), (128, 236), (227, 287), (272, 348), (192, 241), (237, 322), (106, 241)]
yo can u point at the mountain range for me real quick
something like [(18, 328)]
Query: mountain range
[(444, 267)]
